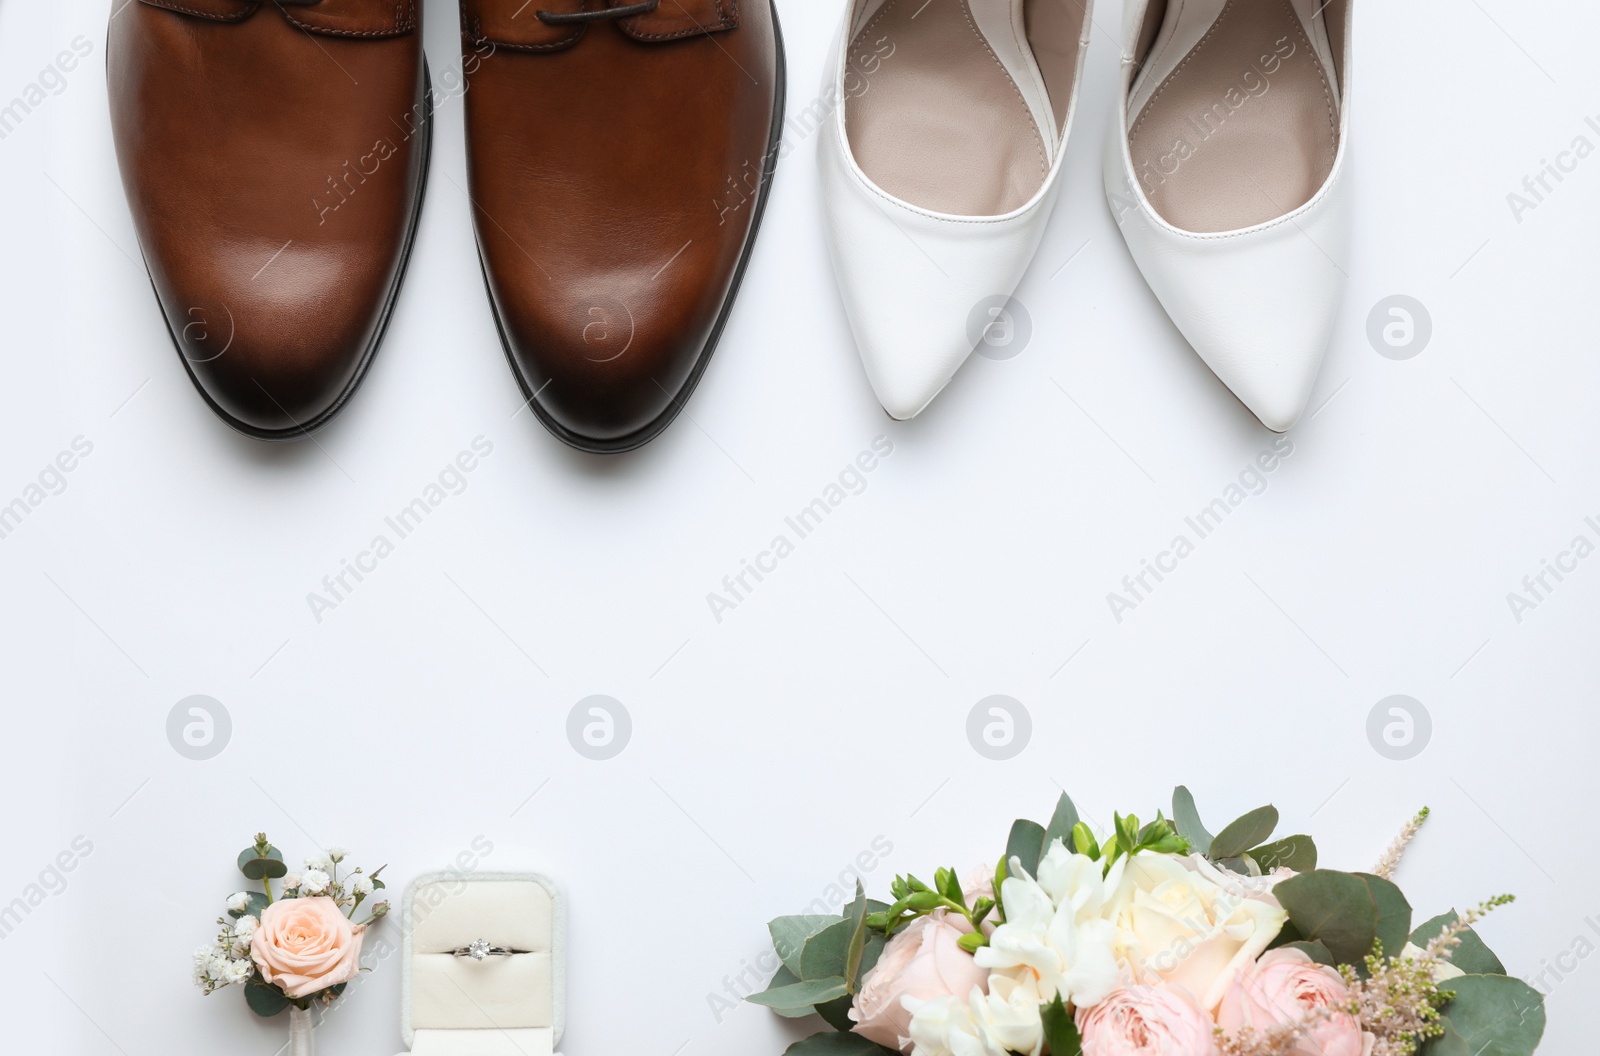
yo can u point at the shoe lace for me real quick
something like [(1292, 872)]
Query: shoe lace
[(554, 18)]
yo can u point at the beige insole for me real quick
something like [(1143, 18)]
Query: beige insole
[(1242, 129), (940, 123)]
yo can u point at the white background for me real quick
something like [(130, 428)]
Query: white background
[(830, 707)]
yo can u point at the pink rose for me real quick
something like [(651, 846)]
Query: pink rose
[(1286, 986), (922, 962), (1146, 1021), (305, 945)]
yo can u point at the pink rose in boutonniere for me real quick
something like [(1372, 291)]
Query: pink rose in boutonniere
[(294, 947), (305, 945)]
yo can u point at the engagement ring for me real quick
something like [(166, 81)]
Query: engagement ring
[(480, 948)]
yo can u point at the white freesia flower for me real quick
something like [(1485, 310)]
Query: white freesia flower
[(337, 854), (1187, 925), (1009, 1016), (1005, 1020), (946, 1026), (313, 882), (1056, 928), (361, 885), (238, 902)]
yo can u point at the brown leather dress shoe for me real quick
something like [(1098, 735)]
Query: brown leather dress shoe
[(274, 154), (620, 155)]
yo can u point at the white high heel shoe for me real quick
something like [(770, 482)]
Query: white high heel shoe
[(941, 165), (1226, 171)]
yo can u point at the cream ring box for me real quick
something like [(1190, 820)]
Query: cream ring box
[(498, 1006)]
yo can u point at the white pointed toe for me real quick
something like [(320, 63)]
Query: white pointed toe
[(1225, 172), (941, 165)]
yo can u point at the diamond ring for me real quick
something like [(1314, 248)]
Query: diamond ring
[(480, 949)]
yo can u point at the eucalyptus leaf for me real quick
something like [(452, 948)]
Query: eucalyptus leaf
[(1292, 852), (801, 995), (1060, 1031), (1027, 845), (1061, 823), (1336, 909), (827, 952), (784, 977), (1187, 818), (1472, 956), (857, 916), (835, 1044), (1394, 914), (789, 935), (1315, 950), (835, 1013), (1492, 1015), (264, 999), (1252, 830), (258, 867)]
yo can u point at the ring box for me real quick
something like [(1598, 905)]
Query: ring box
[(498, 1006)]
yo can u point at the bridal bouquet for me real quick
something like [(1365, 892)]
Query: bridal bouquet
[(294, 948), (1162, 941)]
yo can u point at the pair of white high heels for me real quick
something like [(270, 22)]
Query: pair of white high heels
[(1224, 171)]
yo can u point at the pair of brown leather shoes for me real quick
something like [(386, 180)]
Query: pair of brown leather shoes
[(275, 153)]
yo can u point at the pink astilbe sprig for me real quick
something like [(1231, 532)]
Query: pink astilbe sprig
[(1399, 1001), (1391, 858), (1282, 1040)]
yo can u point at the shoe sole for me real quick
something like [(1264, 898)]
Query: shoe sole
[(659, 424), (302, 431)]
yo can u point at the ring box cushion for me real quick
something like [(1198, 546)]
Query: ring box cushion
[(499, 1006)]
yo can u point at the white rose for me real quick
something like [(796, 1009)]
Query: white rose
[(238, 902), (313, 882), (1177, 924), (362, 885), (1056, 928)]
